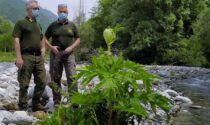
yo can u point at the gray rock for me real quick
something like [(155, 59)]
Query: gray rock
[(4, 85), (47, 92), (174, 111), (12, 124), (48, 78), (5, 77), (12, 89), (165, 94), (13, 81), (5, 114), (163, 73), (19, 118), (171, 92), (183, 100)]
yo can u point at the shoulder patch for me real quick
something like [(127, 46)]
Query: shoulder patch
[(69, 30)]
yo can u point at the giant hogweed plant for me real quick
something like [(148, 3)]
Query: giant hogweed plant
[(117, 99)]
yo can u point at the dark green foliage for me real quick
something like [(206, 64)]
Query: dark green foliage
[(67, 116), (85, 50), (189, 53), (6, 41), (152, 28), (202, 33)]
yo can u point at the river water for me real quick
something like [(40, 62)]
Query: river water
[(198, 90)]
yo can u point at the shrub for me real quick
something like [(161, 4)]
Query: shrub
[(189, 53)]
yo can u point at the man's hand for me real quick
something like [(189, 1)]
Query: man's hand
[(72, 47), (54, 49), (67, 50), (19, 63)]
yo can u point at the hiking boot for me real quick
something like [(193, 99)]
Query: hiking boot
[(44, 100), (22, 107), (39, 107)]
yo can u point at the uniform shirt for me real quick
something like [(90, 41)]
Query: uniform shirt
[(30, 34), (63, 34)]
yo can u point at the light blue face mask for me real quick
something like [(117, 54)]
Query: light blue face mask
[(62, 16), (35, 13)]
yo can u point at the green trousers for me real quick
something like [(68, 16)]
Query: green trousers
[(32, 65), (57, 63)]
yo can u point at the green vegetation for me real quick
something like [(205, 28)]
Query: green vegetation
[(202, 33), (117, 99), (6, 41), (173, 32), (84, 52), (7, 57)]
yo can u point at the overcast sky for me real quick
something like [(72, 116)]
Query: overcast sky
[(72, 4)]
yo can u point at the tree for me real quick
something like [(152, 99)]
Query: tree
[(85, 49), (202, 31), (6, 42)]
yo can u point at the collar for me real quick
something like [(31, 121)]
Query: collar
[(63, 23), (29, 19)]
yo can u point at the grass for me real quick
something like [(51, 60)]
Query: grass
[(7, 57), (11, 57)]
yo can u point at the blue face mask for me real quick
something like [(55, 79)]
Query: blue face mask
[(35, 13), (62, 16)]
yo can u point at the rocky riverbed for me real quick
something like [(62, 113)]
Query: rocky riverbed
[(171, 76), (191, 82)]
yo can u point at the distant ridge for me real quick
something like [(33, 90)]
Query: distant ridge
[(15, 10)]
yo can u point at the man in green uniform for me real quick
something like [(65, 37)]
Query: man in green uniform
[(65, 38), (29, 50)]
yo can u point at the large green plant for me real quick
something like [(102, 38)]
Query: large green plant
[(117, 98)]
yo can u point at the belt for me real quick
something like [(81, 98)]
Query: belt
[(35, 53)]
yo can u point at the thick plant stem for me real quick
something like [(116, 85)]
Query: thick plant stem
[(117, 118), (110, 116), (95, 117), (109, 49)]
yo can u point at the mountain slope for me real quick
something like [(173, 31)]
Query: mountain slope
[(15, 10)]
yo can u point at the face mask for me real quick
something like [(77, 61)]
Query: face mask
[(62, 16), (35, 13)]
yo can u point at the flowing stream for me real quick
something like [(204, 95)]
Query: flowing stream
[(198, 90)]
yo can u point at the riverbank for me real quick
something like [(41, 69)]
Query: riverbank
[(170, 74)]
